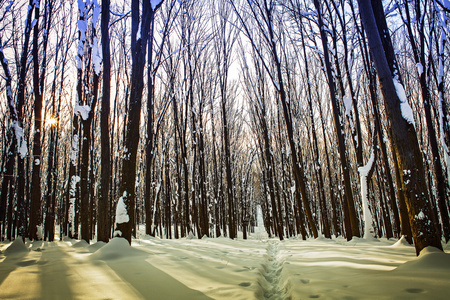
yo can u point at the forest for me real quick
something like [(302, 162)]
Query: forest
[(188, 115)]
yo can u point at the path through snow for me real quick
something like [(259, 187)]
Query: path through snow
[(274, 286), (221, 268)]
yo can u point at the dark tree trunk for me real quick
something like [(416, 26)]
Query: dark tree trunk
[(419, 58), (138, 53), (35, 201), (11, 144), (103, 213), (404, 140)]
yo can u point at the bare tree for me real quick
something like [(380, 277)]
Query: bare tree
[(403, 136), (126, 207)]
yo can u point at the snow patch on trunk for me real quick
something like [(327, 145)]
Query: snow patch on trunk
[(82, 111), (406, 110), (368, 219), (21, 145), (121, 212), (419, 69)]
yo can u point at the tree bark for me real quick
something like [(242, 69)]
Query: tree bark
[(404, 140), (103, 213)]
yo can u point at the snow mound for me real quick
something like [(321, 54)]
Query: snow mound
[(37, 246), (16, 247), (429, 259), (401, 242), (366, 241), (80, 244), (116, 248), (96, 246)]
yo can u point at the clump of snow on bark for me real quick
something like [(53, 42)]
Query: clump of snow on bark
[(82, 111), (420, 216), (406, 110), (348, 105), (368, 219), (121, 210), (21, 145), (74, 150), (419, 68), (73, 184), (97, 57)]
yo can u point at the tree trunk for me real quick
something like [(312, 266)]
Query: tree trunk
[(103, 213), (404, 139)]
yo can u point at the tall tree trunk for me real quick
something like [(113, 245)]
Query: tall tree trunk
[(419, 59), (404, 138), (10, 148), (35, 201), (125, 225), (103, 212)]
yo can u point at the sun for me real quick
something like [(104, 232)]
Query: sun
[(52, 121)]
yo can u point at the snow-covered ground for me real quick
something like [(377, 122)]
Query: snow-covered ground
[(220, 268)]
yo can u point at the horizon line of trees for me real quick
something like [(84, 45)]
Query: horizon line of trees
[(186, 115)]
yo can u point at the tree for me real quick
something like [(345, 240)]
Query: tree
[(403, 137), (418, 46), (126, 206), (104, 217)]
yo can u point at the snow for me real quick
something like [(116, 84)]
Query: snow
[(33, 23), (446, 4), (16, 247), (82, 111), (155, 3), (116, 248), (367, 215), (74, 149), (406, 110), (82, 26), (420, 216), (121, 211), (419, 69), (220, 268), (21, 144), (347, 105), (260, 231), (8, 7), (96, 13), (138, 34), (97, 57)]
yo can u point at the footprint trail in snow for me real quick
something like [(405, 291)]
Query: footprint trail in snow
[(273, 285)]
